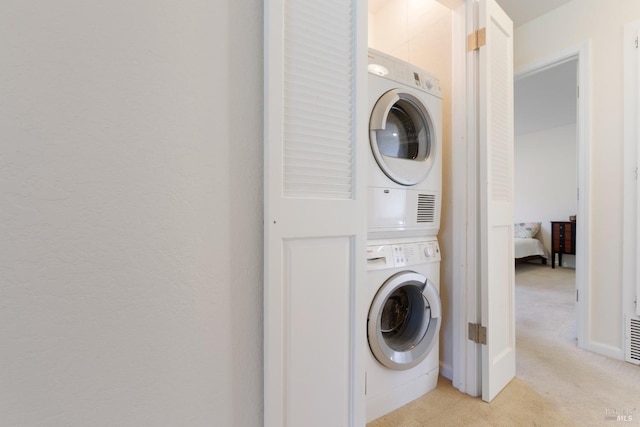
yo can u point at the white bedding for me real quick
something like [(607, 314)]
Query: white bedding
[(528, 247)]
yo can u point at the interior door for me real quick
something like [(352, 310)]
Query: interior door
[(315, 189), (495, 127)]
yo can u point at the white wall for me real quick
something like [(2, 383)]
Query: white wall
[(131, 218), (416, 32), (420, 33), (601, 23), (546, 179)]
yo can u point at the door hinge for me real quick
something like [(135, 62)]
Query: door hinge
[(636, 42), (577, 295), (477, 333), (476, 40)]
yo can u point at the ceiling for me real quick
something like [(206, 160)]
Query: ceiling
[(520, 11), (523, 11)]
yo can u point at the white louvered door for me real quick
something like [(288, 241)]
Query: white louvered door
[(315, 212), (496, 198)]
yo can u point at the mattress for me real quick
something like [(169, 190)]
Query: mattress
[(524, 247)]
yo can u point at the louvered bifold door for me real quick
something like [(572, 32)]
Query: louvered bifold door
[(315, 212), (495, 134)]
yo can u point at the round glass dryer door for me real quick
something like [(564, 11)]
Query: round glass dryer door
[(402, 137), (404, 320)]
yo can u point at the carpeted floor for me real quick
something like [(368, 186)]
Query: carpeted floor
[(587, 387), (557, 384)]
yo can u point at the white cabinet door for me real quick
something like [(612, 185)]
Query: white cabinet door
[(495, 126), (315, 212)]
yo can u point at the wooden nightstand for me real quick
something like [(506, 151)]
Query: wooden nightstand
[(563, 240)]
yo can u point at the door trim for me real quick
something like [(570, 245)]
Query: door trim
[(581, 52), (465, 292)]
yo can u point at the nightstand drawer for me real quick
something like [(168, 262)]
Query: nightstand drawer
[(563, 239)]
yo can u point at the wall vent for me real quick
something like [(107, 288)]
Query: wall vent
[(632, 338), (426, 208)]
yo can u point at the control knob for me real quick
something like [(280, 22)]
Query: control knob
[(429, 251)]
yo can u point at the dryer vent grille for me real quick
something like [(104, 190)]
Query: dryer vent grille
[(426, 208), (632, 353)]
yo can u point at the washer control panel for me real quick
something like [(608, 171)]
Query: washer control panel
[(402, 254), (415, 253)]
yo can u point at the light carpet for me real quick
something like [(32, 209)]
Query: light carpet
[(556, 384), (592, 389)]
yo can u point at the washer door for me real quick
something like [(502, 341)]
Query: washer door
[(402, 137), (404, 320)]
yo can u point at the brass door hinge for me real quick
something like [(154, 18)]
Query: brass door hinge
[(477, 333), (476, 39)]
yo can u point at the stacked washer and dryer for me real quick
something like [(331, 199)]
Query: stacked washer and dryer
[(403, 255)]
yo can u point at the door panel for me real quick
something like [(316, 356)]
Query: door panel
[(315, 203), (496, 198), (315, 321)]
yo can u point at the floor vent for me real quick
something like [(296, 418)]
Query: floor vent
[(426, 208), (632, 338)]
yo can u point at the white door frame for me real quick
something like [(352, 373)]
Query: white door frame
[(465, 289), (580, 53), (630, 253)]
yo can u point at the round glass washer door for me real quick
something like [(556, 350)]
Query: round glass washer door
[(404, 320), (402, 137)]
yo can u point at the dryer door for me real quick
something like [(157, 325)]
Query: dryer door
[(402, 138), (404, 320)]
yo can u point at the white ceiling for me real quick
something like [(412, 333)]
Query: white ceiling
[(523, 11), (520, 11)]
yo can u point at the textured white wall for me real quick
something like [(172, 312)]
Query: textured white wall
[(546, 179), (601, 22), (131, 213)]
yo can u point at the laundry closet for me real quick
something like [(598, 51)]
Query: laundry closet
[(319, 244), (420, 33)]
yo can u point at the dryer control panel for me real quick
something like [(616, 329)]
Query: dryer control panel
[(402, 254), (397, 70)]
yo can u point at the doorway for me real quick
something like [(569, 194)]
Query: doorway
[(545, 184), (545, 152), (558, 88)]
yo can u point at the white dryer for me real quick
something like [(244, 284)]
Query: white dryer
[(405, 160), (403, 322)]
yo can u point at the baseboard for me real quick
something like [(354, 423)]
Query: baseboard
[(446, 370), (605, 350)]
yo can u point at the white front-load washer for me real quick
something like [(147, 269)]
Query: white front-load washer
[(405, 160), (403, 322)]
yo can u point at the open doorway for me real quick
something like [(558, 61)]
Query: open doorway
[(546, 160), (545, 156)]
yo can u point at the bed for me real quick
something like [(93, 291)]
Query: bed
[(526, 246)]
